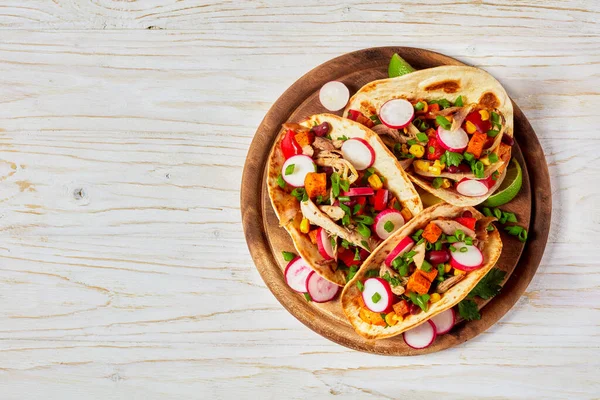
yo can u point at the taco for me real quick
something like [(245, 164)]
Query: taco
[(338, 191), (425, 268), (451, 127)]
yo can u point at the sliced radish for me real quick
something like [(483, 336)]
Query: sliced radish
[(472, 187), (392, 218), (324, 244), (359, 153), (296, 274), (444, 321), (455, 141), (396, 113), (320, 289), (377, 295), (420, 336), (469, 260), (302, 165), (334, 95), (405, 245), (359, 191)]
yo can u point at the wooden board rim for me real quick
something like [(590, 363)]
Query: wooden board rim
[(252, 213)]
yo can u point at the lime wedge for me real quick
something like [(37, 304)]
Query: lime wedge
[(510, 187), (427, 198), (398, 67)]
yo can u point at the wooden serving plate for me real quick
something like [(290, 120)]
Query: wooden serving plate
[(266, 239)]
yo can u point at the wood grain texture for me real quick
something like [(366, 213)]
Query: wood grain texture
[(123, 268)]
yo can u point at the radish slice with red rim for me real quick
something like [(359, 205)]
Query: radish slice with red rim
[(387, 222), (444, 321), (359, 153), (334, 95), (359, 191), (296, 168), (420, 336), (320, 289), (467, 260), (472, 187), (396, 113), (455, 141), (324, 244), (405, 245), (377, 295), (296, 274)]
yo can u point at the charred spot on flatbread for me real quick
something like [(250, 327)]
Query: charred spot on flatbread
[(489, 100), (448, 86), (367, 106)]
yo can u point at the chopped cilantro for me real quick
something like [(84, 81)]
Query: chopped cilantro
[(335, 184), (375, 119), (372, 273), (280, 181), (299, 193), (468, 310), (489, 285), (453, 158), (458, 102)]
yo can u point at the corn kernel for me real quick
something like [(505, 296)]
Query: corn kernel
[(485, 115), (446, 183), (417, 150), (435, 170), (426, 107), (447, 268), (404, 148), (390, 320), (304, 226), (375, 182), (421, 165), (485, 160), (435, 297), (439, 165), (398, 318), (406, 214), (405, 130), (458, 272), (471, 128)]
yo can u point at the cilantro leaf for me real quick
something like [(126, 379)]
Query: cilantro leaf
[(420, 300), (351, 273), (489, 285), (468, 310), (453, 158)]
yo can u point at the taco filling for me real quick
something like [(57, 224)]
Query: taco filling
[(420, 273), (453, 146), (347, 204)]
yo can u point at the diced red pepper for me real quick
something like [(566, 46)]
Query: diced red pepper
[(468, 222), (289, 145), (438, 150), (481, 125), (380, 199), (359, 117), (362, 200), (347, 256)]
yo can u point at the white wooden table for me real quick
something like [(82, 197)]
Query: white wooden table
[(124, 128)]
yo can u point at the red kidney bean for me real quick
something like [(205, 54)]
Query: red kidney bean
[(461, 168), (414, 309), (467, 214), (508, 140), (321, 129), (438, 257)]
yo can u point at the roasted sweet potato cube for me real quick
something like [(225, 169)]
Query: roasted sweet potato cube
[(370, 317), (504, 155), (432, 232), (430, 276), (305, 138), (313, 236), (315, 184), (476, 144), (418, 283), (401, 308)]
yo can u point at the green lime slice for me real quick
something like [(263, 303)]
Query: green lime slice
[(510, 187), (398, 67), (427, 198)]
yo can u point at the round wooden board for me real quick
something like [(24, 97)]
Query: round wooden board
[(266, 239)]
